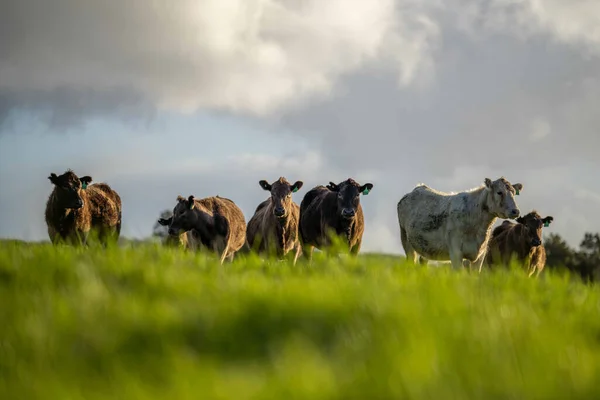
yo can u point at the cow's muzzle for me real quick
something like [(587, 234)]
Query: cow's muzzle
[(78, 204), (536, 242), (279, 212), (348, 213)]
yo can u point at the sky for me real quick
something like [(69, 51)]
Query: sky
[(163, 98)]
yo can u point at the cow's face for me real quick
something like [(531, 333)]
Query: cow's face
[(501, 201), (348, 196), (184, 217), (68, 188), (533, 227), (281, 195)]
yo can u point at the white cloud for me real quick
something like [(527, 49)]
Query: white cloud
[(247, 56)]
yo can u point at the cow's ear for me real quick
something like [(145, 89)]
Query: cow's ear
[(265, 185), (547, 220), (165, 221), (85, 180), (190, 202), (296, 186), (366, 188), (180, 198), (520, 220), (518, 187), (333, 187), (488, 183), (53, 178)]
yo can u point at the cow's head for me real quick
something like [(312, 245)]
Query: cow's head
[(184, 217), (348, 196), (501, 201), (533, 223), (281, 195), (68, 188)]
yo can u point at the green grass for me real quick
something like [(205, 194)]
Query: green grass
[(154, 323)]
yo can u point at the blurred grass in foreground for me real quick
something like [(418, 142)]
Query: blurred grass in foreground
[(154, 323)]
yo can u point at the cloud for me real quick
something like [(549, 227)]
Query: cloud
[(255, 57)]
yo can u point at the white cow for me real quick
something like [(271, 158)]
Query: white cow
[(454, 226)]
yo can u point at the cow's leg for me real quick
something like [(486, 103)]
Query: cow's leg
[(456, 255), (411, 255), (297, 250), (423, 260), (356, 248), (307, 251)]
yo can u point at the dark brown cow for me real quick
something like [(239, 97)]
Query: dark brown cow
[(522, 240), (332, 209), (274, 226), (75, 209), (218, 222)]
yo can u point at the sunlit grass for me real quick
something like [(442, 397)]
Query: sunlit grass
[(152, 322)]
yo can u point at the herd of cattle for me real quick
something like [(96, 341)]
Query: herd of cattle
[(455, 227)]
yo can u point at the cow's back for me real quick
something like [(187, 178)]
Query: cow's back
[(257, 223), (421, 202), (104, 205), (502, 244), (236, 222)]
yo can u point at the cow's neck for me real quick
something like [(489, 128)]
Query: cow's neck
[(205, 223), (345, 226), (482, 216)]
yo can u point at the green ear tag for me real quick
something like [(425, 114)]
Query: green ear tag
[(517, 192), (366, 191), (295, 190), (83, 185), (546, 224)]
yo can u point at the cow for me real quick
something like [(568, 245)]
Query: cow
[(185, 240), (75, 209), (333, 210), (522, 240), (218, 222), (273, 229), (454, 226)]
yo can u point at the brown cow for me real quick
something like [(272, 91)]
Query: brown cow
[(522, 240), (274, 226), (332, 209), (219, 223), (75, 209)]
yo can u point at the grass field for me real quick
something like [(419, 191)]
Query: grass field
[(153, 323)]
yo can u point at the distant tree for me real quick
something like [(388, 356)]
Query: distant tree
[(161, 231), (587, 259), (558, 252)]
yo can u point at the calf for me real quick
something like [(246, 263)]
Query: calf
[(274, 226), (522, 240), (75, 209), (454, 226), (332, 210), (218, 223)]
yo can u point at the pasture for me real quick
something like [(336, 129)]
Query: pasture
[(148, 322)]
